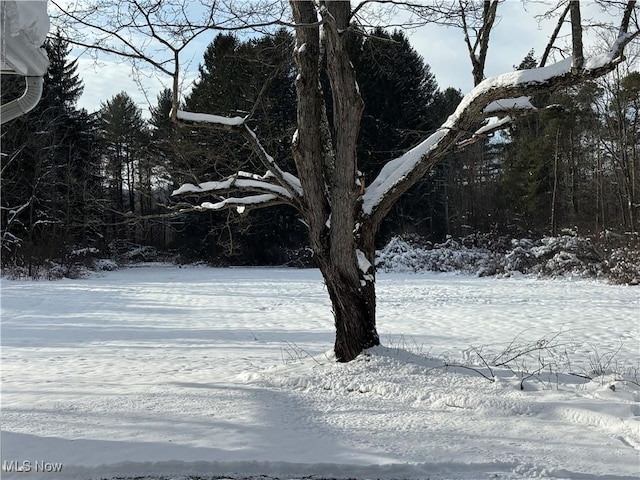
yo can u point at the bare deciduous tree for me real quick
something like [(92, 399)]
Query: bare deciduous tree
[(341, 212)]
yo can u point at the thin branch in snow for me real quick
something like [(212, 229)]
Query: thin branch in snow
[(507, 105), (554, 36), (244, 204), (286, 179), (493, 126), (485, 131), (285, 185), (13, 212)]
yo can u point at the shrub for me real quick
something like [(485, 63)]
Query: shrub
[(564, 255)]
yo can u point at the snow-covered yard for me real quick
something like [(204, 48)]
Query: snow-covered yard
[(175, 372)]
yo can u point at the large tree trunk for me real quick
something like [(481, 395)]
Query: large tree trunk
[(352, 292), (326, 161), (354, 311)]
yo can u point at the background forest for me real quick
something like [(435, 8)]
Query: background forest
[(90, 189)]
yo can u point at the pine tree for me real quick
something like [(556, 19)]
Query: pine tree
[(402, 103), (165, 140), (124, 138), (238, 77), (548, 162), (53, 174), (63, 86)]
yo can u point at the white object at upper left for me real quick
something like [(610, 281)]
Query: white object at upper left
[(24, 28)]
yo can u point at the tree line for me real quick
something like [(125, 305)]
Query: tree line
[(573, 165), (78, 184)]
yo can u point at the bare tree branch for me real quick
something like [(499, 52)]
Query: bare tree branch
[(400, 174), (243, 205), (626, 18), (479, 51), (289, 182), (554, 36)]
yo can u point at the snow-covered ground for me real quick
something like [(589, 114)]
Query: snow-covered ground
[(174, 372)]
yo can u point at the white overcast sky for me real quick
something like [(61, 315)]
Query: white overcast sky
[(516, 32)]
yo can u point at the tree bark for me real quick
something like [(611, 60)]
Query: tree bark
[(354, 311), (327, 166), (576, 35), (353, 300)]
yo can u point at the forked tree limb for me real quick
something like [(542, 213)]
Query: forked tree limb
[(398, 175), (478, 50), (289, 182)]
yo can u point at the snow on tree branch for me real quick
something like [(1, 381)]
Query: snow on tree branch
[(244, 204), (211, 119), (490, 90), (241, 181), (396, 170), (268, 193), (397, 176), (268, 186), (509, 104), (494, 124), (276, 187), (289, 183), (14, 212), (286, 179)]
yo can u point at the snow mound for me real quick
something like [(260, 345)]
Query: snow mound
[(400, 255), (566, 255)]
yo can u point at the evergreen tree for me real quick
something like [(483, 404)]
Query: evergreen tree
[(125, 141), (528, 62), (52, 175), (165, 138), (402, 103), (63, 86), (238, 77), (549, 160)]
